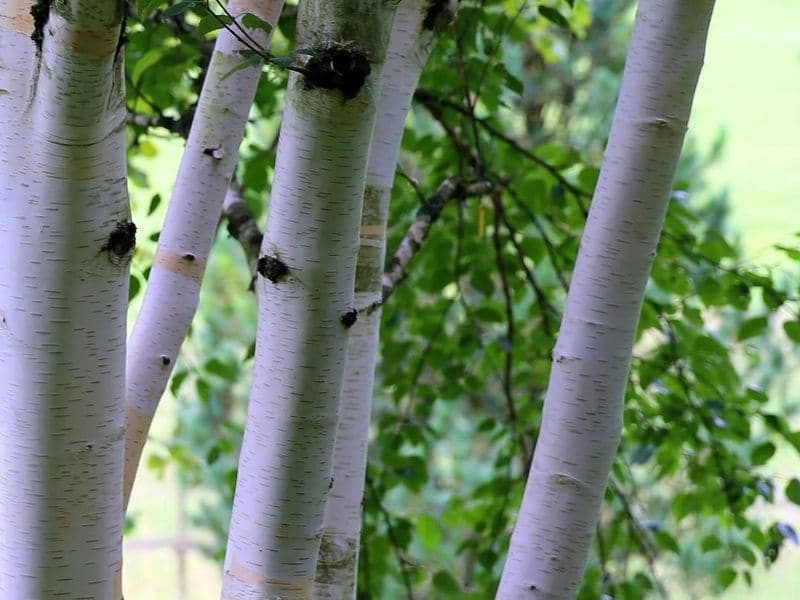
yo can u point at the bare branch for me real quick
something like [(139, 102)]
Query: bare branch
[(243, 227)]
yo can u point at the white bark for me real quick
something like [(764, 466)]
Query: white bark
[(63, 300), (582, 417), (312, 230), (173, 289), (409, 47)]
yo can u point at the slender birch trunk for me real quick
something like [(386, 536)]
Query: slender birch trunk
[(582, 418), (411, 41), (172, 293), (306, 304), (66, 242)]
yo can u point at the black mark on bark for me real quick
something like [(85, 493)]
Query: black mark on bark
[(123, 34), (166, 360), (437, 11), (272, 268), (336, 66), (120, 243), (189, 257), (214, 152), (40, 11), (349, 318)]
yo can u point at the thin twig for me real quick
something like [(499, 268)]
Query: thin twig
[(427, 214), (430, 100), (508, 371)]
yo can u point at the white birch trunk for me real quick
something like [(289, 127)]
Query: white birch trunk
[(173, 289), (305, 289), (582, 417), (65, 247), (409, 47)]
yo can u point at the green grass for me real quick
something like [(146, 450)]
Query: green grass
[(750, 89)]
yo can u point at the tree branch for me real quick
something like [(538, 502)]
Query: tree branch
[(426, 215), (243, 227)]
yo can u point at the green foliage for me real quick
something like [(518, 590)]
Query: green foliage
[(519, 95)]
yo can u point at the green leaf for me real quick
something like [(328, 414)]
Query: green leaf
[(792, 330), (252, 60), (180, 7), (752, 328), (511, 82), (157, 463), (745, 554), (252, 21), (133, 287), (146, 8), (762, 453), (793, 253), (588, 177), (154, 202), (203, 389), (227, 371), (726, 577), (559, 156), (177, 379), (710, 543), (715, 247), (793, 491), (429, 532), (213, 454), (149, 59), (213, 22), (666, 541), (487, 314), (552, 15), (446, 583)]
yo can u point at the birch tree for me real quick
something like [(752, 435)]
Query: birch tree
[(67, 239), (306, 305), (582, 418), (194, 211), (414, 31)]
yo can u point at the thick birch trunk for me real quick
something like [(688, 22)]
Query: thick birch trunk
[(409, 47), (306, 303), (173, 289), (582, 417), (66, 242)]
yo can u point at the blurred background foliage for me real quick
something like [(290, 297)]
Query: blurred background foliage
[(521, 94)]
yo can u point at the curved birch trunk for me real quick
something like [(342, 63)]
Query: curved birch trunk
[(173, 289), (409, 47), (306, 305), (66, 242), (582, 417)]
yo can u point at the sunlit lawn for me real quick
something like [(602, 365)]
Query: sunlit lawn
[(750, 88)]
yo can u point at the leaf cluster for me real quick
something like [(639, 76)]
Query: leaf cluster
[(519, 94)]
